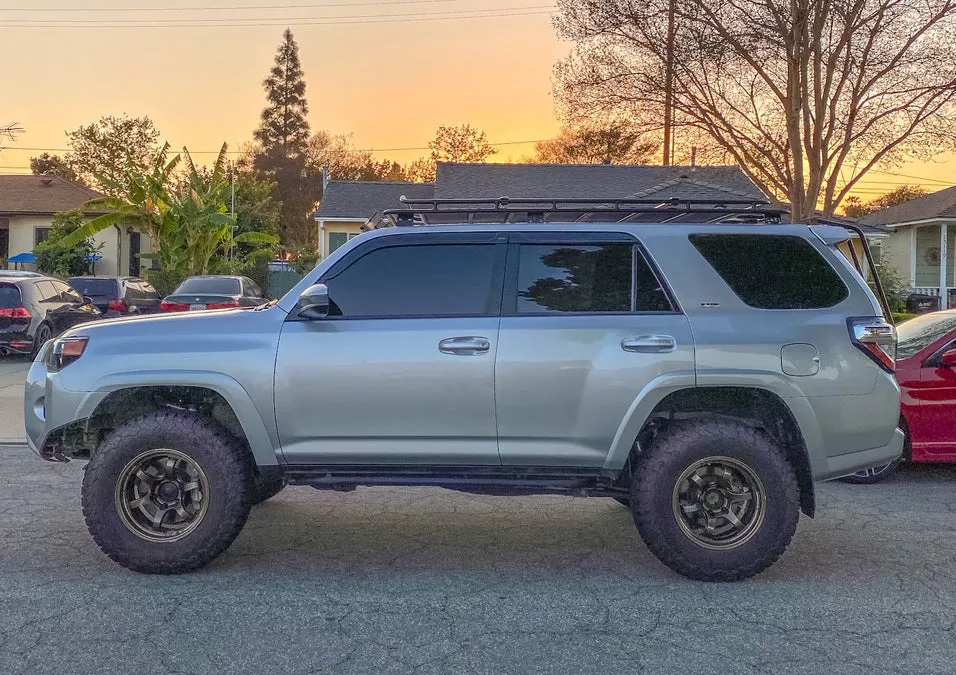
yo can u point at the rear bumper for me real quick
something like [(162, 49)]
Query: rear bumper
[(844, 465), (16, 343)]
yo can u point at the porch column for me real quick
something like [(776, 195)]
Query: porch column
[(943, 280)]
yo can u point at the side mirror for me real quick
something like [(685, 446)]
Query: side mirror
[(314, 302), (948, 358)]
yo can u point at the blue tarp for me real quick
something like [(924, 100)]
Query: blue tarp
[(27, 257)]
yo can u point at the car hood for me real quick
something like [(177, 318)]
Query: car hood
[(224, 323)]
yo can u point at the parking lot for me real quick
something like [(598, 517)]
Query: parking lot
[(391, 580)]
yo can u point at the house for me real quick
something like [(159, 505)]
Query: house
[(347, 205), (921, 243), (27, 206)]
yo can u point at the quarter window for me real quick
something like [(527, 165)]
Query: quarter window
[(424, 280), (772, 271)]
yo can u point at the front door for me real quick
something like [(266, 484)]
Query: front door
[(585, 326), (932, 433), (402, 369)]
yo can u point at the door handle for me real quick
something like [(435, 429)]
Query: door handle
[(467, 346), (649, 344)]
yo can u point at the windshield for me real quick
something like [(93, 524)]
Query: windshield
[(915, 334), (93, 288), (209, 286)]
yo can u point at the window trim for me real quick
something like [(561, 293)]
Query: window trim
[(509, 307), (493, 301)]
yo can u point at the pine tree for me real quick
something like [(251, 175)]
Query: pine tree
[(283, 139)]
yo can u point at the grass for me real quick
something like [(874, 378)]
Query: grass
[(900, 317)]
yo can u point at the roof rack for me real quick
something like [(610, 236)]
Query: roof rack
[(538, 209)]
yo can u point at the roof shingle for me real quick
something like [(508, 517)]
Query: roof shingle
[(363, 199), (41, 195), (941, 204)]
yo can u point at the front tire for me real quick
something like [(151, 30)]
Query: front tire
[(715, 500), (167, 493), (43, 334), (266, 489)]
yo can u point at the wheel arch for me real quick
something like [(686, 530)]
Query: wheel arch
[(125, 396), (755, 406)]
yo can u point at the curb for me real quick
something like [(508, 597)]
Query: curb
[(13, 444)]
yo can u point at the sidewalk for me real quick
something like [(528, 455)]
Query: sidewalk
[(13, 372)]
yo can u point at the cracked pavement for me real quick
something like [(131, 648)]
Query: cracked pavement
[(423, 580)]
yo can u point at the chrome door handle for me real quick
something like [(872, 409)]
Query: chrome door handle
[(649, 344), (468, 345)]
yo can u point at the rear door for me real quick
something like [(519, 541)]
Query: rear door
[(586, 325)]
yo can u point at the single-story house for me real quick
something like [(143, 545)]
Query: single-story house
[(921, 244), (347, 206), (27, 206)]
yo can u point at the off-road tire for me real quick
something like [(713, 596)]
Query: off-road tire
[(266, 488), (227, 469), (623, 501), (657, 470)]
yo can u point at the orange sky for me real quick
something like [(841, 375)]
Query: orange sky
[(389, 83)]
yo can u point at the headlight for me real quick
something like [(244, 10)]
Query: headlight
[(65, 351)]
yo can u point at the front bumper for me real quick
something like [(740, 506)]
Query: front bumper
[(47, 408)]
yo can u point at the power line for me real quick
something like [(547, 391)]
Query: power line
[(224, 9), (454, 13), (329, 21)]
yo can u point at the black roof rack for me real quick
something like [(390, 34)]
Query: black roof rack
[(422, 211)]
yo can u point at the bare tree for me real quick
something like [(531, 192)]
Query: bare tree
[(614, 142), (806, 96)]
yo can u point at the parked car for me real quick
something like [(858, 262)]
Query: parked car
[(118, 296), (213, 292), (34, 309), (705, 374), (926, 371)]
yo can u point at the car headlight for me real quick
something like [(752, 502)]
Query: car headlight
[(64, 352)]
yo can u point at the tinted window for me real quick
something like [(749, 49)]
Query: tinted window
[(772, 272), (46, 292), (9, 296), (650, 295), (574, 278), (922, 331), (439, 279), (94, 288), (210, 285)]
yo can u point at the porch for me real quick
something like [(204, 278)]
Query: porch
[(932, 257)]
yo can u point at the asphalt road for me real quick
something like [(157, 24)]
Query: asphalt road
[(430, 581)]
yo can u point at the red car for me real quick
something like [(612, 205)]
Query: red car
[(926, 371)]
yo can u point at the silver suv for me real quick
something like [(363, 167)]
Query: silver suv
[(702, 374)]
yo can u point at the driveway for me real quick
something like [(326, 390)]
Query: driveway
[(391, 580), (13, 371)]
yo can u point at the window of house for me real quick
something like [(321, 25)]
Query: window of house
[(425, 280), (336, 240), (41, 234), (772, 271), (587, 278)]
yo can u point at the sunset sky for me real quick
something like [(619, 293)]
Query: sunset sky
[(382, 73)]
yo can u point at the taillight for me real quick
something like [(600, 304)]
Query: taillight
[(65, 351), (116, 306), (15, 313), (230, 304), (876, 338), (166, 306)]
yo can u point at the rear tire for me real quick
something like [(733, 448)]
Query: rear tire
[(167, 492), (44, 333), (715, 500)]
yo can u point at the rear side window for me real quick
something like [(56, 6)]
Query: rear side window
[(9, 296), (574, 278), (46, 292), (772, 271), (426, 280)]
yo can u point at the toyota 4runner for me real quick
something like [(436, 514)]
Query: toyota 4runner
[(702, 374)]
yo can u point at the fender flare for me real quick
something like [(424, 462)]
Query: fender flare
[(264, 447)]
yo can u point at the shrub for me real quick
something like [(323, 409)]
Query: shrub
[(65, 261)]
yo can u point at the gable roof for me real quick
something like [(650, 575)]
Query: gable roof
[(41, 195), (552, 181), (941, 204), (363, 199)]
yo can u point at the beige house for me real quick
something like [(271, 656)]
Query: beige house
[(347, 205), (27, 206), (922, 243)]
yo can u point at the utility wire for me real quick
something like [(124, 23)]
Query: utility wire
[(235, 8)]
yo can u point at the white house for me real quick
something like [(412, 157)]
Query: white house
[(921, 244), (27, 205)]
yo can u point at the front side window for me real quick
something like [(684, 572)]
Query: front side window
[(422, 280), (772, 271)]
